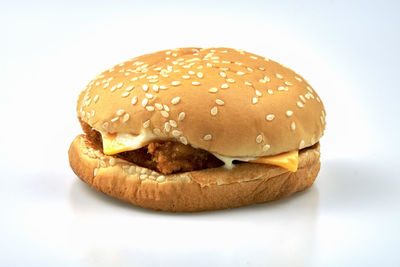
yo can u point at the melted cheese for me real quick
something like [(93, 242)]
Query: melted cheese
[(288, 160), (121, 142)]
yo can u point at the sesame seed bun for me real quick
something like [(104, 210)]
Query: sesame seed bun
[(233, 104), (208, 189), (222, 100)]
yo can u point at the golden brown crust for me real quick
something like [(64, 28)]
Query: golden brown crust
[(208, 189), (210, 98)]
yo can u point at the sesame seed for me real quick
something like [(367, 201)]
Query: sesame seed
[(95, 98), (113, 88), (298, 78), (106, 85), (129, 88), (144, 102), (309, 89), (200, 74), (163, 87), (125, 94), (175, 100), (173, 123), (181, 116), (214, 111), (155, 88), (134, 100), (176, 133), (105, 126), (302, 144), (143, 176), (183, 140), (186, 77), (145, 87), (224, 86), (248, 83), (270, 117), (299, 104), (250, 69), (253, 57), (307, 96), (270, 91), (302, 98), (160, 178), (149, 96), (195, 83), (219, 102), (166, 107), (213, 90), (261, 68), (288, 83), (114, 119), (208, 64), (119, 85), (230, 80), (223, 74), (120, 112), (125, 118), (258, 93), (112, 161), (240, 73), (146, 124), (282, 88), (134, 79), (157, 131), (150, 108), (167, 127), (164, 113), (158, 106), (278, 76), (175, 83), (259, 138), (254, 100), (207, 137), (266, 147), (289, 113), (191, 72), (127, 74), (293, 126)]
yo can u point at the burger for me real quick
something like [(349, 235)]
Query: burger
[(194, 129)]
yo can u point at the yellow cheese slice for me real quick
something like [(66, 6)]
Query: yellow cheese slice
[(288, 160), (117, 143)]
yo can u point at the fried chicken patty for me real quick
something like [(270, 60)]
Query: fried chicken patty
[(163, 156)]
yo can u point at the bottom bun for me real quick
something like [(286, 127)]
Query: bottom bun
[(208, 189)]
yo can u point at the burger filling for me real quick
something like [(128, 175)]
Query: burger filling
[(163, 156), (172, 157)]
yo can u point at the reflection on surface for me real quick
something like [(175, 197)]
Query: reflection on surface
[(286, 227)]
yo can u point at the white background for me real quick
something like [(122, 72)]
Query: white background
[(347, 50)]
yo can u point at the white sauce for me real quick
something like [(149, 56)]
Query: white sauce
[(228, 160)]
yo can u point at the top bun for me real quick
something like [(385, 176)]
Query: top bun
[(222, 100)]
